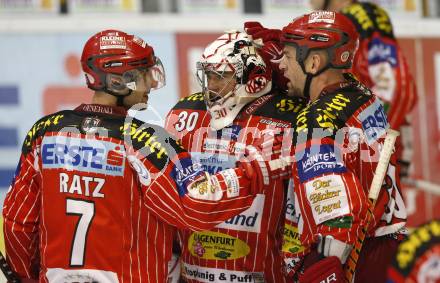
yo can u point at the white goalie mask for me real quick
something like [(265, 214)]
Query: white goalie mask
[(232, 74)]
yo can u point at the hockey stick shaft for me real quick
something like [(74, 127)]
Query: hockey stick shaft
[(376, 185), (7, 271)]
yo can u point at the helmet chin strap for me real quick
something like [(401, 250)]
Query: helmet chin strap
[(119, 97), (120, 101), (306, 91), (309, 77)]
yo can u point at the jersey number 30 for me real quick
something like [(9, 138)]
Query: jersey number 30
[(86, 211), (187, 122)]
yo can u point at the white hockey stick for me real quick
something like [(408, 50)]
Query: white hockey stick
[(375, 187)]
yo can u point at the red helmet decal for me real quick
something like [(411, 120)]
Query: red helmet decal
[(112, 42), (322, 17)]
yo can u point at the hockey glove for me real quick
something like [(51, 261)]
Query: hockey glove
[(328, 269), (262, 163), (261, 34), (270, 48)]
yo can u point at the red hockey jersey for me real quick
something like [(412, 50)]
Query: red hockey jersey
[(379, 62), (338, 140), (245, 248), (97, 196)]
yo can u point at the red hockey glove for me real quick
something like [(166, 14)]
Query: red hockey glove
[(262, 163), (270, 48), (255, 168), (328, 269), (258, 32)]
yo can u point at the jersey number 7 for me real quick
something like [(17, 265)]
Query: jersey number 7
[(86, 211)]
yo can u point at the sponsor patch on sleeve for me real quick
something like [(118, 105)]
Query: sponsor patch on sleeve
[(327, 198), (374, 122), (380, 51), (232, 183), (205, 189), (185, 172), (317, 160)]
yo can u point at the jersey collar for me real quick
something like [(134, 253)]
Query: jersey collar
[(105, 109)]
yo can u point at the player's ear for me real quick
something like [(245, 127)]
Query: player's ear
[(315, 62)]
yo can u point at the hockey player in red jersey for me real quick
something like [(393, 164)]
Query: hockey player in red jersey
[(97, 194), (239, 105), (379, 62), (338, 140)]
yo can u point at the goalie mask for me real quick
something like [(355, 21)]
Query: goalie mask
[(232, 74)]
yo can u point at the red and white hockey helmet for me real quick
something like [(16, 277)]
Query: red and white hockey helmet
[(112, 61), (323, 30), (234, 53)]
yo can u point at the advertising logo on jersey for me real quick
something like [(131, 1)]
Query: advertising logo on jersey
[(249, 220), (208, 274), (291, 213), (223, 146), (80, 275), (288, 105), (90, 125), (213, 163), (277, 124), (327, 197), (229, 133), (317, 160), (291, 241), (381, 51), (374, 122), (86, 155), (44, 124), (217, 246), (184, 172)]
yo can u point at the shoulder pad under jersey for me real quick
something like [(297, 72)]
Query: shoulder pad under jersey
[(50, 122), (282, 107), (332, 110), (369, 18), (194, 101), (151, 141)]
